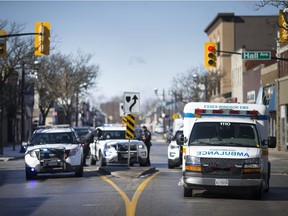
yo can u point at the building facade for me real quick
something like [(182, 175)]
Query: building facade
[(232, 34)]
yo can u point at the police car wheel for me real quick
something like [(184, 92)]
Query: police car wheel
[(170, 165), (102, 160), (29, 176), (92, 160), (79, 172)]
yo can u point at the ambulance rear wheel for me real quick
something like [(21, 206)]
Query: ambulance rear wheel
[(188, 192)]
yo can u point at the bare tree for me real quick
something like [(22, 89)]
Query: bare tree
[(63, 78), (19, 57), (186, 86), (275, 3)]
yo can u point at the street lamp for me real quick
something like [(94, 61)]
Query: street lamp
[(162, 105), (84, 85), (23, 107)]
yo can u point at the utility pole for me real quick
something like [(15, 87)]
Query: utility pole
[(22, 107)]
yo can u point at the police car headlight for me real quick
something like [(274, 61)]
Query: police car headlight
[(32, 154), (140, 146), (109, 151), (74, 151)]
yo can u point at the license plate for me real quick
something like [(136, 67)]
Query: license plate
[(221, 182), (125, 155), (52, 163)]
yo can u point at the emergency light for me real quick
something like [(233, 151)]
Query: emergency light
[(254, 114)]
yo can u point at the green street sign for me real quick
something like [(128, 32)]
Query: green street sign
[(255, 55)]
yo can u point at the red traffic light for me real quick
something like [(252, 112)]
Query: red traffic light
[(211, 48), (210, 57)]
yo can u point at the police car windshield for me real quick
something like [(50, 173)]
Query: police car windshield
[(224, 134), (53, 138), (117, 134)]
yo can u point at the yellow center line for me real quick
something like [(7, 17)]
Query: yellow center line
[(130, 205)]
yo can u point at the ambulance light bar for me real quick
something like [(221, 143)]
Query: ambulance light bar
[(230, 112)]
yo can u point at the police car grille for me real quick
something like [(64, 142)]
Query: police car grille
[(52, 154), (125, 147), (222, 166)]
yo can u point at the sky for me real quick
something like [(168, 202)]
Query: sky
[(139, 45)]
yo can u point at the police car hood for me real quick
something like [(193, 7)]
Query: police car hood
[(224, 152), (53, 146), (132, 142)]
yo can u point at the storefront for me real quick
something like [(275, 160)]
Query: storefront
[(283, 115)]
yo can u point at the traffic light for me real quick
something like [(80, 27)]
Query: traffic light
[(3, 52), (210, 55), (42, 39), (282, 23)]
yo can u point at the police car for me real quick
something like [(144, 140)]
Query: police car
[(175, 150), (53, 149), (112, 148)]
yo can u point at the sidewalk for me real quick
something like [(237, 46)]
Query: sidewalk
[(10, 154)]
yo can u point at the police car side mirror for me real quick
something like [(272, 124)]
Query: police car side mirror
[(180, 140)]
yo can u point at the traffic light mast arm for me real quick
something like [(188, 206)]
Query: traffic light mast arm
[(272, 57), (15, 35)]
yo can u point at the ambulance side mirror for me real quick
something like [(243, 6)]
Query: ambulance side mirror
[(271, 142)]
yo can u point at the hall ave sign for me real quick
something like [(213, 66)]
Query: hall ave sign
[(255, 55)]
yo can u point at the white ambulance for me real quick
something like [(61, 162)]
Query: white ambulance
[(226, 148)]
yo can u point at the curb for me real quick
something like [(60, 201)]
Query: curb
[(10, 158)]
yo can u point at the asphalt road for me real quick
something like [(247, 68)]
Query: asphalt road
[(125, 192)]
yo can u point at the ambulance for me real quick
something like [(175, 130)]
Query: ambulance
[(225, 147)]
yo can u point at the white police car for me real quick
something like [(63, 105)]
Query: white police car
[(53, 150), (112, 147), (175, 150)]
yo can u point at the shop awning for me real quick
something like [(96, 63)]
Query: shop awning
[(272, 102)]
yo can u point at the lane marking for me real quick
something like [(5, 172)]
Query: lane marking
[(130, 205)]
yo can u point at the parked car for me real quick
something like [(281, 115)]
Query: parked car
[(53, 150), (175, 152), (159, 129), (112, 147)]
